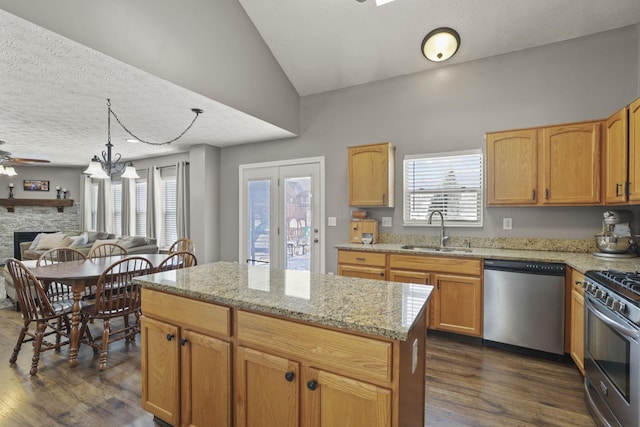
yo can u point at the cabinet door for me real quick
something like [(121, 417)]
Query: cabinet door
[(512, 167), (616, 158), (206, 380), (333, 400), (362, 272), (458, 304), (371, 175), (267, 390), (160, 355), (571, 159), (577, 320), (634, 151)]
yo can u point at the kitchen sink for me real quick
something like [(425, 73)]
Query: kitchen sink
[(435, 248)]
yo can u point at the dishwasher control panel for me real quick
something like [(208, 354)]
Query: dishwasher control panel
[(553, 268)]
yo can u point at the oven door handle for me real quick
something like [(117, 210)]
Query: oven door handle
[(629, 333)]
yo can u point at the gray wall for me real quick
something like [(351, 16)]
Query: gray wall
[(451, 108), (210, 47)]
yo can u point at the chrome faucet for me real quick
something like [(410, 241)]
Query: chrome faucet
[(443, 237)]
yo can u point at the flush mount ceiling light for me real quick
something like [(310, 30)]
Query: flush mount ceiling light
[(440, 44)]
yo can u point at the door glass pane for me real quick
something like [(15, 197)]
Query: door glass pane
[(297, 218), (258, 232)]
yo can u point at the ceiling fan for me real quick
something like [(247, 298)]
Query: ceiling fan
[(7, 161)]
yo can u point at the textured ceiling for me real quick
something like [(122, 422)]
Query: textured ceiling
[(324, 45), (53, 104), (53, 91)]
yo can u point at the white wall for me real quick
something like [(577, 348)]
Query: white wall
[(450, 109)]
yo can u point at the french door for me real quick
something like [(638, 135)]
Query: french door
[(282, 214)]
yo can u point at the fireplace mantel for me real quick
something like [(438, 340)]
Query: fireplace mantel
[(60, 204)]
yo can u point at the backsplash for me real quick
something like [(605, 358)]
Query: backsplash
[(560, 245)]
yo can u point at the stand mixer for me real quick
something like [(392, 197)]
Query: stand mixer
[(615, 240)]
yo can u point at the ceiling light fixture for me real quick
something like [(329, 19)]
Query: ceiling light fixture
[(440, 44), (103, 168)]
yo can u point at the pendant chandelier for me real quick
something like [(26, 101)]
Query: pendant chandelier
[(110, 164)]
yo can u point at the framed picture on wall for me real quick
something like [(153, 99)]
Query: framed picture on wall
[(35, 185)]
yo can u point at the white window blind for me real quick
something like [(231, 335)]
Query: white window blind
[(169, 211), (116, 189), (141, 208), (449, 182), (94, 206)]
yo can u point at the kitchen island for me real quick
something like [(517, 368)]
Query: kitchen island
[(228, 344)]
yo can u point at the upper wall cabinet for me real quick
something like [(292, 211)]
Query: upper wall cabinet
[(616, 158), (371, 171), (634, 151), (554, 165), (512, 167)]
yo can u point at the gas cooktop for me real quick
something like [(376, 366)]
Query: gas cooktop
[(618, 290)]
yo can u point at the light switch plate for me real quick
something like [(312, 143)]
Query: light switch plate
[(387, 221), (507, 223), (331, 221)]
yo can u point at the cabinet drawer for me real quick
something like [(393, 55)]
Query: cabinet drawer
[(362, 258), (356, 356), (436, 264), (187, 313)]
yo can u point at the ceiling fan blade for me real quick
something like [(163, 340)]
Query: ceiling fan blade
[(20, 160)]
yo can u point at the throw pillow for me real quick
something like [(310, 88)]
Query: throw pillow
[(129, 242), (72, 241), (34, 243), (84, 239), (49, 241)]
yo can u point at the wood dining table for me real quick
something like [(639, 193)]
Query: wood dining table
[(78, 275)]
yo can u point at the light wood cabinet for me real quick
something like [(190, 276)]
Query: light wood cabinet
[(616, 158), (317, 377), (185, 368), (456, 301), (371, 172), (512, 167), (365, 265), (571, 161), (577, 320), (553, 165), (634, 151)]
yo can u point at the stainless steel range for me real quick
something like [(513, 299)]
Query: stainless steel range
[(612, 347)]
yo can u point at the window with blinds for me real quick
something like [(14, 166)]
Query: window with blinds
[(116, 190), (169, 214), (141, 207), (449, 182), (94, 206)]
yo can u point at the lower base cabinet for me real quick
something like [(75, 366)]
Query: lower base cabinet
[(273, 371), (577, 320), (186, 373)]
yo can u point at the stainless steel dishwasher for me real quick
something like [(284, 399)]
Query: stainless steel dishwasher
[(524, 305)]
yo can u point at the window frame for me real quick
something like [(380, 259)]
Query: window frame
[(444, 158)]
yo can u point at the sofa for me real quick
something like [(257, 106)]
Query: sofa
[(84, 241), (81, 240)]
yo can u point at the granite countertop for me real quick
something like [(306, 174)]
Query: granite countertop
[(374, 307), (578, 260)]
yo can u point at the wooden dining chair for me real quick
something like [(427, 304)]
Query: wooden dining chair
[(59, 290), (116, 296), (107, 249), (50, 317), (182, 245), (177, 260)]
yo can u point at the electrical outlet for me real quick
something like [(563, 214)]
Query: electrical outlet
[(331, 221), (506, 223), (387, 221)]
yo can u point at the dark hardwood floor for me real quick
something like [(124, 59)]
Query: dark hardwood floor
[(467, 385)]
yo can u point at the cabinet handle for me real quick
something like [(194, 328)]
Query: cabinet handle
[(361, 259), (617, 192), (183, 341), (533, 194), (312, 385), (170, 337), (546, 193), (381, 274), (289, 376)]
